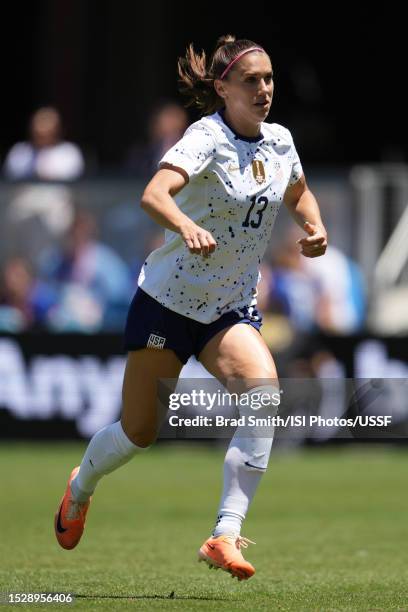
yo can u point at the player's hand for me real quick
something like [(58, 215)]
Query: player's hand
[(316, 242), (197, 239)]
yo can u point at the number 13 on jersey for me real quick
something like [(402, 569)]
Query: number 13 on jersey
[(255, 221)]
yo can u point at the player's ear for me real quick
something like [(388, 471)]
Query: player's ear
[(220, 88)]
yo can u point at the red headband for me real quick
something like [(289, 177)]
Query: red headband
[(232, 62)]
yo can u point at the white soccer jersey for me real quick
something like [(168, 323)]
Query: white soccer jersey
[(235, 190)]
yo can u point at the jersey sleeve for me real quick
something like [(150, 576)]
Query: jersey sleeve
[(297, 170), (194, 152)]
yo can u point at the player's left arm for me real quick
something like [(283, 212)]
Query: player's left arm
[(304, 209)]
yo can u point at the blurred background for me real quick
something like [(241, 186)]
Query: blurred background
[(90, 104)]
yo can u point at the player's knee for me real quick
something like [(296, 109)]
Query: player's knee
[(265, 397), (259, 402), (259, 410)]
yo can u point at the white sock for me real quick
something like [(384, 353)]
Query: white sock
[(109, 449), (245, 462), (239, 488)]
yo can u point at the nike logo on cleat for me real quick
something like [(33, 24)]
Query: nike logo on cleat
[(211, 546), (60, 528)]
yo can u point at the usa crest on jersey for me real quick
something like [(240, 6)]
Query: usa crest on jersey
[(258, 171)]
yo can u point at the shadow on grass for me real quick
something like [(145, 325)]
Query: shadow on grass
[(172, 595)]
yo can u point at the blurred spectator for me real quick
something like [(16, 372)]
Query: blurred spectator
[(292, 290), (167, 124), (94, 282), (53, 204), (152, 240), (24, 300), (343, 305), (324, 293), (45, 156)]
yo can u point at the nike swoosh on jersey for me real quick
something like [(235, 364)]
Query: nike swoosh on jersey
[(234, 168), (60, 528)]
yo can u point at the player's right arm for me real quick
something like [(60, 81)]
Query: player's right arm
[(157, 200)]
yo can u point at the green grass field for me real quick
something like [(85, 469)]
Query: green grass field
[(331, 528)]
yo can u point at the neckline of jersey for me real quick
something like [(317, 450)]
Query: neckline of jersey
[(239, 136)]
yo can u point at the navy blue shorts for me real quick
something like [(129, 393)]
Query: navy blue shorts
[(151, 325)]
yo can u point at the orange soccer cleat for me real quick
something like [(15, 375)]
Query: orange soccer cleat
[(224, 552), (70, 518)]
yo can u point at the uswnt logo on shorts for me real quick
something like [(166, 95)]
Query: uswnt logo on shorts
[(156, 342)]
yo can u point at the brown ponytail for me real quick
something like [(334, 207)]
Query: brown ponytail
[(197, 75)]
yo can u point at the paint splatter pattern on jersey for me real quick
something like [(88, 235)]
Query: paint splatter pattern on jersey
[(226, 196)]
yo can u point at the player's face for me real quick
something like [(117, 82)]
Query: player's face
[(248, 89)]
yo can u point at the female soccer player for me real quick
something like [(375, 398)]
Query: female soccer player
[(217, 193)]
